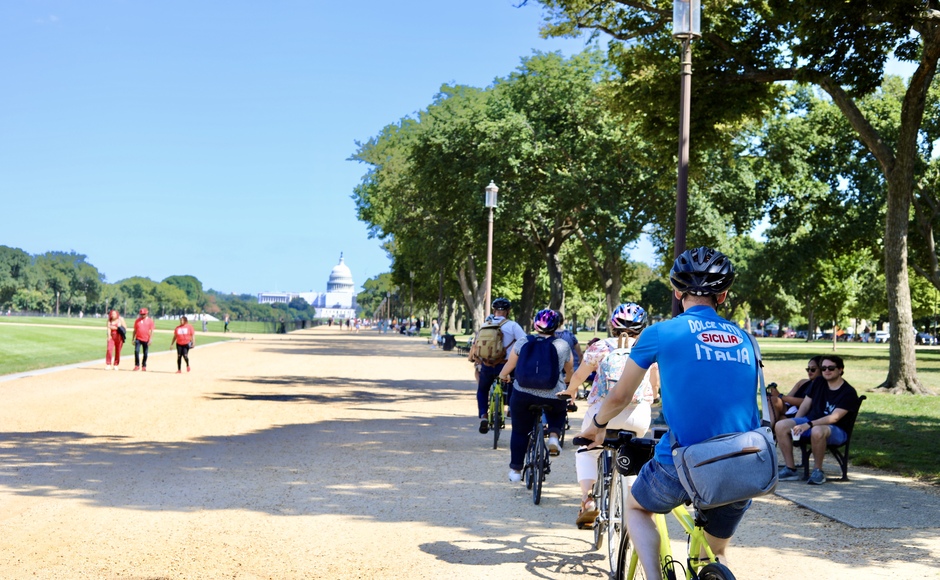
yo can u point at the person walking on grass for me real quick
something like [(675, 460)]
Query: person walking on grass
[(143, 331), (184, 337), (117, 333)]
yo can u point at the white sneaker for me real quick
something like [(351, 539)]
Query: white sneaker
[(554, 447), (107, 367), (515, 476)]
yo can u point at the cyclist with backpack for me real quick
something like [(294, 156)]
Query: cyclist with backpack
[(608, 357), (541, 363), (490, 351)]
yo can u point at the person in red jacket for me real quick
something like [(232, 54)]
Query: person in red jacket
[(184, 337), (143, 331)]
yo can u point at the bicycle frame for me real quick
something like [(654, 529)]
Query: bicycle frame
[(495, 412), (696, 545)]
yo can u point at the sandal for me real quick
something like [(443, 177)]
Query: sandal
[(587, 515)]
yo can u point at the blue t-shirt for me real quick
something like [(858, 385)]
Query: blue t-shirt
[(708, 376)]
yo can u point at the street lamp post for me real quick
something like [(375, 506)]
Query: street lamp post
[(686, 25), (411, 298), (490, 202)]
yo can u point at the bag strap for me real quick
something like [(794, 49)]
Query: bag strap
[(765, 407)]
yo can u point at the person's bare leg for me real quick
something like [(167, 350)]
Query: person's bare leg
[(819, 437), (785, 441), (645, 538), (718, 546)]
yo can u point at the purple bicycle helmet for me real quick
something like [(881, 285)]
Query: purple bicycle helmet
[(702, 272), (546, 321), (628, 317)]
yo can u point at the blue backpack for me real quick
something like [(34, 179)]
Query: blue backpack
[(537, 366)]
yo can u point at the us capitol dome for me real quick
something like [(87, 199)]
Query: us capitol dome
[(339, 300)]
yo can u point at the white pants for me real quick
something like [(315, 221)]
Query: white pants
[(636, 417)]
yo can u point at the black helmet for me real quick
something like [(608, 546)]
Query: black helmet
[(502, 304), (701, 272)]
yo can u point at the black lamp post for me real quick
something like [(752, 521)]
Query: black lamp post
[(686, 25), (490, 202)]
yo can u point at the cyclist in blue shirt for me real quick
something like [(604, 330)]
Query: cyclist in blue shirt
[(708, 382)]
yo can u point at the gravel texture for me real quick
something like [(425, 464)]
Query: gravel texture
[(327, 454)]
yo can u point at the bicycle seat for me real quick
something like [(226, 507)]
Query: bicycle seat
[(540, 408)]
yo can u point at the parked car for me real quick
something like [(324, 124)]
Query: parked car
[(924, 338), (882, 336)]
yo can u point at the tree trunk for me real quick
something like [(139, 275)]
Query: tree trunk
[(474, 292), (556, 283), (610, 273), (527, 303), (449, 322), (834, 337), (811, 329), (902, 365)]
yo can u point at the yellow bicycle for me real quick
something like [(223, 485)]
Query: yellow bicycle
[(495, 415), (700, 562)]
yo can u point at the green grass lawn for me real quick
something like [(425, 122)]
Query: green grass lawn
[(897, 433), (88, 321), (25, 348)]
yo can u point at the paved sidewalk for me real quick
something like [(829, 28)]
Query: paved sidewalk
[(868, 500)]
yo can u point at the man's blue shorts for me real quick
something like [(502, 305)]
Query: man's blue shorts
[(837, 435), (657, 488)]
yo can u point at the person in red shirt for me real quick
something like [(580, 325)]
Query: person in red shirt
[(143, 331), (184, 337)]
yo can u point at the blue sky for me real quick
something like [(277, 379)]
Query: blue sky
[(211, 138)]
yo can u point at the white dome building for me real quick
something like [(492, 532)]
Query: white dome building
[(339, 300)]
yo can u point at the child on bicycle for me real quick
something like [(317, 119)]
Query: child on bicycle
[(524, 397), (606, 359)]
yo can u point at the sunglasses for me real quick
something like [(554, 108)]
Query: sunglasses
[(811, 369), (828, 368)]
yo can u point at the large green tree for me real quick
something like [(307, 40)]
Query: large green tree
[(748, 48), (14, 263), (69, 278)]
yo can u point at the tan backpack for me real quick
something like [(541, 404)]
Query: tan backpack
[(489, 344)]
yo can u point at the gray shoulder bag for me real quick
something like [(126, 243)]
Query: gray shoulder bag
[(731, 467)]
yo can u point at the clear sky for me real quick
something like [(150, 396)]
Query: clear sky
[(211, 138)]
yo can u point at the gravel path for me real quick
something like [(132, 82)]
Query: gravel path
[(326, 454)]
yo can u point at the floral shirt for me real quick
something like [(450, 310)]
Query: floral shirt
[(606, 375)]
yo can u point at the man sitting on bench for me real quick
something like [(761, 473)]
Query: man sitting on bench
[(823, 415)]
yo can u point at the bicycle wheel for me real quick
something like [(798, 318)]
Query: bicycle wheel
[(496, 416), (715, 571), (601, 501), (628, 561), (617, 525), (529, 469), (540, 458), (564, 428)]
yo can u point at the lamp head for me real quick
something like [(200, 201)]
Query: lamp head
[(491, 191), (686, 19)]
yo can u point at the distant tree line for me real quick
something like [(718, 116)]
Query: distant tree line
[(65, 283)]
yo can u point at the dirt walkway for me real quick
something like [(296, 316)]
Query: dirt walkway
[(325, 454)]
